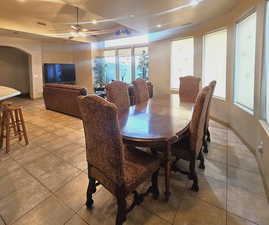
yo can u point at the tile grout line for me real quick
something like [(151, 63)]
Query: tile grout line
[(1, 218), (50, 191)]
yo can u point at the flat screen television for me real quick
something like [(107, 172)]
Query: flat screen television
[(59, 73)]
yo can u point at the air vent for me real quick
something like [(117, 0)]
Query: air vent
[(41, 24), (186, 24)]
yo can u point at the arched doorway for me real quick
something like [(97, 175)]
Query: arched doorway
[(15, 67), (34, 51)]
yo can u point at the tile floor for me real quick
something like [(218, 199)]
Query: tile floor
[(45, 182)]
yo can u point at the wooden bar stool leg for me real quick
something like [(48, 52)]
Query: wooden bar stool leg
[(7, 126), (13, 123), (2, 129), (18, 124), (23, 127)]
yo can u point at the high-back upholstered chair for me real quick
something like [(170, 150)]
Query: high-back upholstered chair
[(118, 169), (189, 88), (212, 85), (132, 92), (117, 93), (140, 90), (190, 142)]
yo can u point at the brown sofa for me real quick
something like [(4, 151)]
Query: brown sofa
[(63, 98)]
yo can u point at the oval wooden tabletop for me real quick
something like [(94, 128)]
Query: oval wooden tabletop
[(158, 119)]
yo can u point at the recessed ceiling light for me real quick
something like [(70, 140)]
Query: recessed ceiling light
[(132, 16), (84, 30), (159, 25), (94, 21), (21, 0), (194, 3)]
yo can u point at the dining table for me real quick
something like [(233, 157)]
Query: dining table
[(156, 123)]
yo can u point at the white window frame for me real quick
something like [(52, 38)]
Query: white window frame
[(245, 108), (171, 59), (265, 70), (132, 47), (203, 60)]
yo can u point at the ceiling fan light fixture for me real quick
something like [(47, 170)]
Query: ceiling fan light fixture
[(84, 30), (94, 21), (74, 27)]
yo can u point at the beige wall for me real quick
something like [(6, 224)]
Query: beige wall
[(245, 124), (82, 59), (52, 52), (14, 66), (33, 48)]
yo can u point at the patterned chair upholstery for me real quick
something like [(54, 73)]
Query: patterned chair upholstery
[(118, 168), (207, 133), (132, 92), (117, 93), (190, 142), (141, 91), (189, 88)]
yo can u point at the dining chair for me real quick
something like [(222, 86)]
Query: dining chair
[(189, 88), (118, 168), (117, 92), (189, 146), (207, 133), (140, 90)]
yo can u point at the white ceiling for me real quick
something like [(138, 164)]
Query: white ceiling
[(137, 15)]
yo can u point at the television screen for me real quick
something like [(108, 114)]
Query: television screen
[(59, 73)]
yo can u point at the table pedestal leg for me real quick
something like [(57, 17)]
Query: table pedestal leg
[(167, 171)]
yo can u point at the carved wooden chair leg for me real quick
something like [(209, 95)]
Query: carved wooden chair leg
[(193, 175), (90, 191), (202, 160), (155, 188), (205, 145), (122, 209), (208, 135)]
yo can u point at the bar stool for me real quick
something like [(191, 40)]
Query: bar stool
[(3, 106), (8, 122)]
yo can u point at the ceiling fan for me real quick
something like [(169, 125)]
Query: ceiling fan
[(77, 27)]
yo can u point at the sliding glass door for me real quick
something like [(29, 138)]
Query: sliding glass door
[(125, 65)]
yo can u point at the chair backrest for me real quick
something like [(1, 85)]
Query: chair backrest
[(197, 124), (140, 90), (212, 85), (104, 146), (189, 88), (117, 93)]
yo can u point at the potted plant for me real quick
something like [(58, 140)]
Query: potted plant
[(99, 69)]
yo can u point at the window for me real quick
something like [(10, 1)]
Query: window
[(125, 65), (141, 62), (181, 60), (110, 61), (265, 87), (136, 40), (244, 75), (214, 61)]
